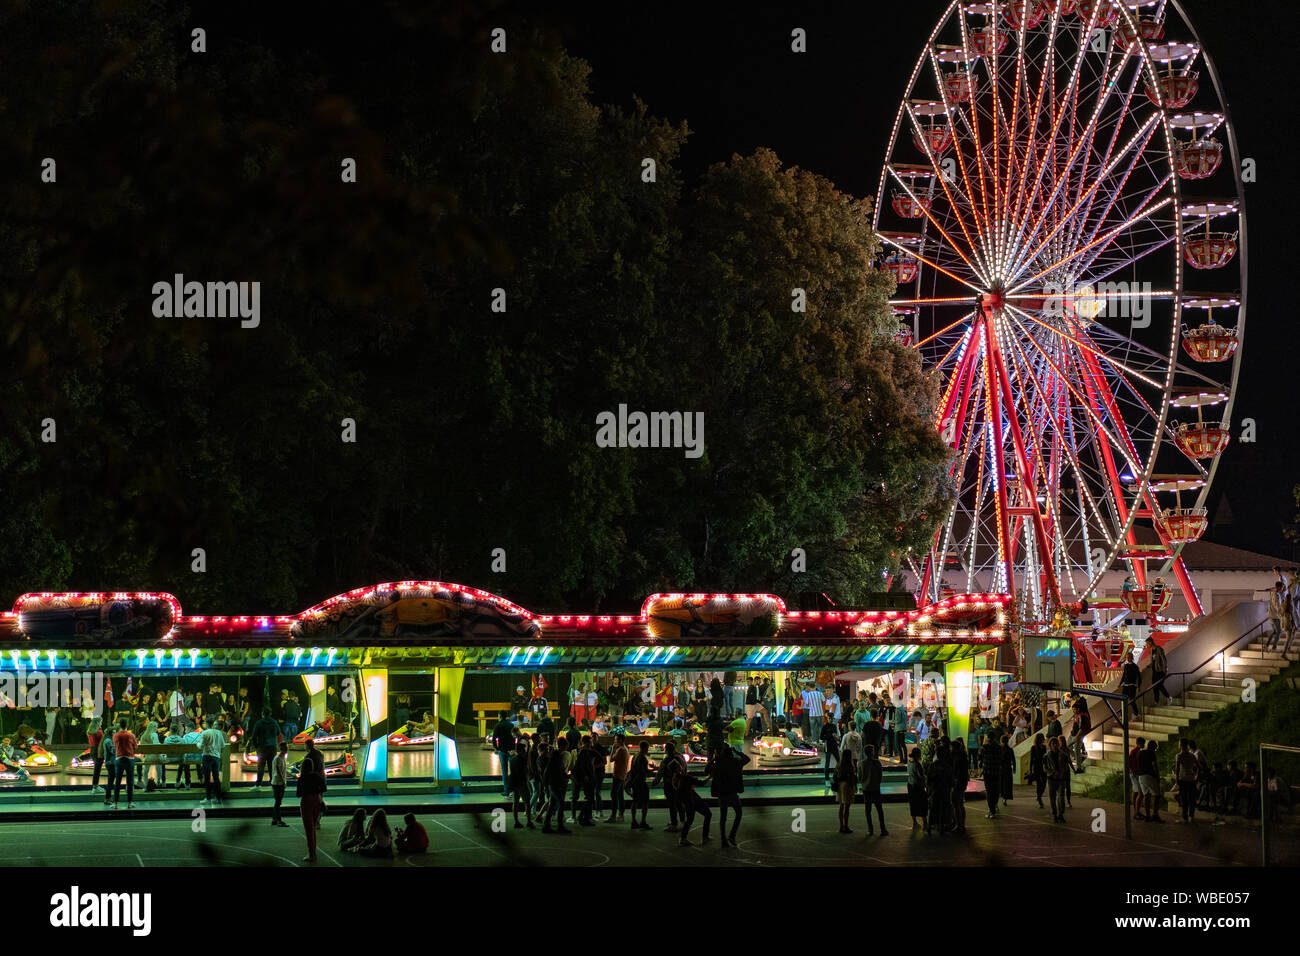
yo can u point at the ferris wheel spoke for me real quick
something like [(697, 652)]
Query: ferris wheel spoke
[(1081, 344), (1100, 241), (979, 272), (1145, 133)]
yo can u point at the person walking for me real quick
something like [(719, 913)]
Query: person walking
[(211, 743), (1129, 679), (279, 777), (264, 738), (991, 759), (638, 784), (311, 800), (727, 783), (664, 777), (690, 803), (584, 783), (1187, 771), (1149, 780), (1159, 669), (1276, 601), (1037, 768), (124, 744), (1057, 764), (1135, 785)]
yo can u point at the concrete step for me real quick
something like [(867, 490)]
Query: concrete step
[(1215, 691), (1191, 710), (1259, 651), (1255, 663)]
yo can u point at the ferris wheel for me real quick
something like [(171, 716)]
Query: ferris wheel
[(1061, 207)]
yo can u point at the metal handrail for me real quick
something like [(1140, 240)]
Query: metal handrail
[(1183, 692)]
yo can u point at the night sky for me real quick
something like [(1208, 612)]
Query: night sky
[(728, 71)]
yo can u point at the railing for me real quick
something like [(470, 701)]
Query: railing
[(1099, 729), (1265, 809)]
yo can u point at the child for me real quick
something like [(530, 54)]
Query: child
[(413, 838)]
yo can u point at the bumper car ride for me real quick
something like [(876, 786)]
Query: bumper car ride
[(12, 775), (785, 750), (344, 765)]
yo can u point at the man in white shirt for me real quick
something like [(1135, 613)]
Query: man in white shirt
[(813, 706), (211, 743), (831, 705)]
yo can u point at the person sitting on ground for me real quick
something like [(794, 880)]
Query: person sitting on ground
[(379, 837), (412, 838), (354, 831)]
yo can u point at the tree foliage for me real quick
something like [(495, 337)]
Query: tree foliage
[(475, 429)]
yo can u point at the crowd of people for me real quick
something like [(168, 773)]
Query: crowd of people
[(1221, 788)]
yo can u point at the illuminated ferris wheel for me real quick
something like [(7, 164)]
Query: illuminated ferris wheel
[(1061, 207)]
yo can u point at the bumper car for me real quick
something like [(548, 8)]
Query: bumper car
[(344, 765), (409, 735), (235, 737), (83, 762), (12, 775), (786, 749), (38, 758), (321, 735)]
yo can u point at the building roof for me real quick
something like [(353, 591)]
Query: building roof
[(1207, 556)]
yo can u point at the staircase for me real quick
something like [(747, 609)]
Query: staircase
[(1165, 722)]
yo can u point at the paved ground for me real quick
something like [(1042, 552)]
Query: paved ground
[(1022, 835)]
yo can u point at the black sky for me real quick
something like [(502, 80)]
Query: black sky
[(728, 71)]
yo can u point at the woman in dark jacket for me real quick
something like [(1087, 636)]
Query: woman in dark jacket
[(991, 759), (1007, 768), (916, 798), (1037, 772), (960, 778), (726, 772), (830, 740)]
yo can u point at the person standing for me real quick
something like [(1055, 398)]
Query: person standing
[(279, 777), (292, 716), (916, 800), (1148, 778), (830, 741), (264, 738), (638, 783), (503, 741), (1037, 768), (846, 787), (1276, 601), (1187, 772), (1007, 767), (664, 777), (939, 784), (517, 785), (960, 780), (870, 773), (556, 774), (727, 784), (211, 743), (1057, 764), (620, 761), (153, 769), (95, 741), (124, 744), (615, 695), (813, 707), (311, 793), (991, 759), (900, 733)]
